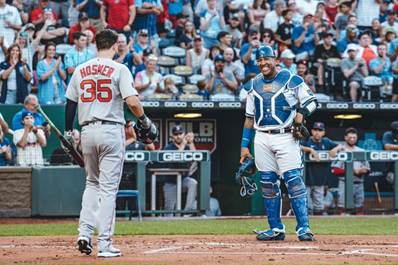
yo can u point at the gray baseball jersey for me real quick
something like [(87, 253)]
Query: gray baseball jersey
[(99, 86)]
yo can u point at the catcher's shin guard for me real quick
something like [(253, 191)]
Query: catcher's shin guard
[(298, 197), (272, 198)]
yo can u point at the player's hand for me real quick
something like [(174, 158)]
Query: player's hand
[(244, 152), (127, 28), (315, 155), (189, 137)]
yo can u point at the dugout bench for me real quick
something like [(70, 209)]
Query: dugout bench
[(142, 158), (348, 158)]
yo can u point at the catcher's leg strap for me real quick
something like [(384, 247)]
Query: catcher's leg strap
[(272, 198), (298, 197)]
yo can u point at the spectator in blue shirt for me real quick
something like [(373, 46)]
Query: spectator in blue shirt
[(142, 42), (51, 75), (381, 65), (78, 54), (304, 38), (30, 104), (248, 51), (317, 174), (124, 56), (211, 23), (92, 8), (147, 12), (287, 58), (351, 37)]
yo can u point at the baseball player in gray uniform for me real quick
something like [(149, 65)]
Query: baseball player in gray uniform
[(97, 90)]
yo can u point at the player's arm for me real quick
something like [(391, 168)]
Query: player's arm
[(248, 126), (391, 147), (135, 107), (247, 135), (70, 112), (71, 104), (307, 101)]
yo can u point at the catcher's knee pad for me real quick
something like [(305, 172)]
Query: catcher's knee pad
[(269, 184), (294, 183)]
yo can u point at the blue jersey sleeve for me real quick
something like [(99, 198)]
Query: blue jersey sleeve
[(244, 50), (329, 144)]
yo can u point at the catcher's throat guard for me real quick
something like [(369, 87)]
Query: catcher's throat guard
[(242, 177)]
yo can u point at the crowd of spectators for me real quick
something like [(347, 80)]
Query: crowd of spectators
[(344, 49)]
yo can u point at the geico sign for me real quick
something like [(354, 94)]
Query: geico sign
[(324, 156), (134, 156), (383, 155), (186, 156)]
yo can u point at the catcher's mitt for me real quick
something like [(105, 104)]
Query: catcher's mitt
[(242, 177), (146, 135), (300, 132)]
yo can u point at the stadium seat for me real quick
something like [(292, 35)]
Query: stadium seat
[(130, 194), (371, 88), (166, 63), (175, 52)]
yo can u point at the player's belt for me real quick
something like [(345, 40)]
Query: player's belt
[(278, 131), (102, 122)]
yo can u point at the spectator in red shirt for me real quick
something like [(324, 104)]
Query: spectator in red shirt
[(118, 15), (83, 25), (36, 16)]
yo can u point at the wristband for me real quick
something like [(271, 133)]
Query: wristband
[(145, 121), (247, 135)]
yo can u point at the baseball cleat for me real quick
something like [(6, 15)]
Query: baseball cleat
[(305, 234), (84, 245), (109, 252), (270, 235)]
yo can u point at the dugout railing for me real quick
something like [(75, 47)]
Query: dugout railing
[(142, 159), (348, 158)]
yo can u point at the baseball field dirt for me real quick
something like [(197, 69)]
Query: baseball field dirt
[(206, 249), (339, 240)]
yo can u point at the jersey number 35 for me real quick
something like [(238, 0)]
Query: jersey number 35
[(93, 90)]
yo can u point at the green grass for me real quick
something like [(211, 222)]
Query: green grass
[(320, 226)]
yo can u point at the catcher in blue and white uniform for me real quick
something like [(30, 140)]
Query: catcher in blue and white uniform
[(277, 104)]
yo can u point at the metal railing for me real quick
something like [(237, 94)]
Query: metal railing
[(348, 158)]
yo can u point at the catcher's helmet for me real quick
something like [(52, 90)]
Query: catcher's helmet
[(265, 52)]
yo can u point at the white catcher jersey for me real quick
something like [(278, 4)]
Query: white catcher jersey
[(99, 86), (273, 103)]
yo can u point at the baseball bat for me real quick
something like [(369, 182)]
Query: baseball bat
[(68, 147), (378, 192)]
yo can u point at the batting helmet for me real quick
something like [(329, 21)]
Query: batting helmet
[(265, 52)]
